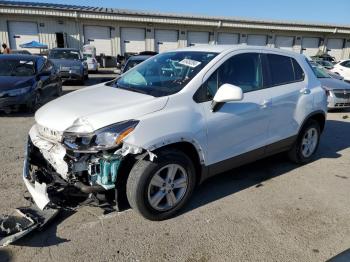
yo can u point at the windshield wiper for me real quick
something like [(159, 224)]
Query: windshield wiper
[(131, 89)]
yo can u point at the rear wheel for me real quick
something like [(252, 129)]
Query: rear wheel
[(307, 143), (158, 190)]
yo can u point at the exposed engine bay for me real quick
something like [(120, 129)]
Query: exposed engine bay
[(68, 176)]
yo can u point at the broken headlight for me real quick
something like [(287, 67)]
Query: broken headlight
[(103, 139)]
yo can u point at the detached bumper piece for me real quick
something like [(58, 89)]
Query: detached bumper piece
[(22, 222)]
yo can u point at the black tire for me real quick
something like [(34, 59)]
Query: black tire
[(137, 188), (295, 154), (36, 102), (59, 90)]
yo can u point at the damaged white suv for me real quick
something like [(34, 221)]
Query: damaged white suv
[(166, 125)]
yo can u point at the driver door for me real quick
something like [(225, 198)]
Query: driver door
[(236, 128)]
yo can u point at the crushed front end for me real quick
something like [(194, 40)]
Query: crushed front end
[(67, 169)]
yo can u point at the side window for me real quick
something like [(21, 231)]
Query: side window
[(345, 63), (243, 70), (281, 69), (299, 74)]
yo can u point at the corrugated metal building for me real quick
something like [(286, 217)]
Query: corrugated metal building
[(116, 31)]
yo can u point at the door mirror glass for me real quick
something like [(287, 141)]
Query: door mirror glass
[(226, 93)]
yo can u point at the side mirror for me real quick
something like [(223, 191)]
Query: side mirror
[(226, 93)]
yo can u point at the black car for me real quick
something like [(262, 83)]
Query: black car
[(134, 61), (70, 62), (26, 81)]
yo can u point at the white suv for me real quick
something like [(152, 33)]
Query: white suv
[(166, 125)]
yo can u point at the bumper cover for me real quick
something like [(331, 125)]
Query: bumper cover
[(15, 101)]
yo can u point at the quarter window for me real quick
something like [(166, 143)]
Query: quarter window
[(345, 63)]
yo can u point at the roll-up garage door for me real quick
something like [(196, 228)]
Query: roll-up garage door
[(166, 40), (310, 45), (100, 37), (227, 39), (133, 40), (23, 32), (284, 42), (197, 38), (335, 48), (258, 40)]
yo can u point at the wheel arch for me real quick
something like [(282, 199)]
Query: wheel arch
[(318, 116)]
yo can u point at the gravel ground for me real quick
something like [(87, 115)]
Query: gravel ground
[(271, 210)]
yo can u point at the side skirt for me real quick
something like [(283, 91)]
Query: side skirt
[(240, 160)]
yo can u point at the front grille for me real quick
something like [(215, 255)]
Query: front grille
[(342, 105), (48, 133), (344, 94)]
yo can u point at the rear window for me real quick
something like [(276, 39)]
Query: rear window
[(284, 70)]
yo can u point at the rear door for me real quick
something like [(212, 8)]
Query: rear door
[(285, 79), (237, 127)]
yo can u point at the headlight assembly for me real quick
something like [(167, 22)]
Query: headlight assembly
[(103, 139)]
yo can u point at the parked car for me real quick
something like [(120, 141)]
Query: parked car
[(134, 61), (343, 68), (326, 64), (324, 57), (26, 80), (338, 92), (20, 52), (168, 124), (70, 63), (326, 71), (92, 63)]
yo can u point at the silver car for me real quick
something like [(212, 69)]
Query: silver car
[(338, 91)]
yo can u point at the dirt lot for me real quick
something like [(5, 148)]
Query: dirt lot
[(271, 210)]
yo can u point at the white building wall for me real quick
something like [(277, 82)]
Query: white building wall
[(73, 24)]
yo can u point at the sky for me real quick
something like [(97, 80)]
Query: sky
[(319, 11)]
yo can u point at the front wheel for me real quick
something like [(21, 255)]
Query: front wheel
[(307, 143), (158, 190)]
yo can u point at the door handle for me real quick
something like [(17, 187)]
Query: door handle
[(266, 103), (305, 91)]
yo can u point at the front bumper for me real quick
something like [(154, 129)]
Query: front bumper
[(336, 102), (15, 102), (71, 75), (56, 177)]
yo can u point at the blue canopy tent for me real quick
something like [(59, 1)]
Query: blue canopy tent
[(34, 44)]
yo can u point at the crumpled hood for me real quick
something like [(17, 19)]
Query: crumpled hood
[(99, 105), (334, 83), (66, 63), (12, 82)]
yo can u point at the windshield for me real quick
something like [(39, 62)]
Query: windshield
[(87, 56), (17, 68), (64, 54), (320, 72), (164, 74)]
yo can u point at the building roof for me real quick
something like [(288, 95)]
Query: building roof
[(102, 10), (156, 17)]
